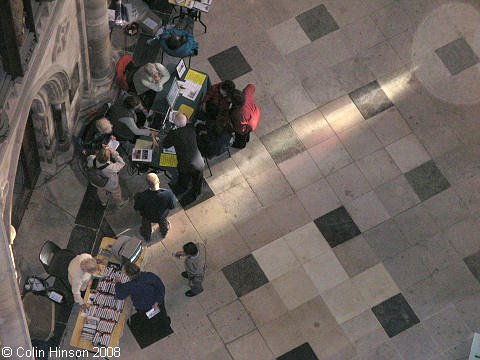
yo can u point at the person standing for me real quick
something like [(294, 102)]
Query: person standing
[(154, 204), (146, 290), (244, 115), (110, 170), (80, 270), (194, 268), (190, 162)]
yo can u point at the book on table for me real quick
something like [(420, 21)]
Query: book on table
[(142, 155)]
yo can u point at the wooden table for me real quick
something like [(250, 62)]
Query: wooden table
[(119, 327)]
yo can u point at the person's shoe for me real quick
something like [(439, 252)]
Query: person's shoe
[(184, 274), (190, 293)]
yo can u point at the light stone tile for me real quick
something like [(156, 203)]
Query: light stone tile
[(295, 288), (446, 208), (416, 224), (294, 102), (270, 186), (381, 59), (397, 195), (345, 301), (438, 140), (280, 336), (232, 321), (361, 325), (181, 231), (359, 140), (408, 153), (325, 271), (288, 213), (276, 259), (389, 126), (378, 168), (376, 285), (263, 304), (312, 128), (318, 199), (225, 249), (209, 218), (272, 117), (352, 74), (463, 237), (363, 33), (347, 11), (383, 19), (323, 85), (225, 175), (219, 354), (330, 155), (367, 211), (250, 347), (217, 292), (288, 36), (307, 242), (355, 255), (254, 159), (300, 171), (341, 114), (239, 202), (348, 183)]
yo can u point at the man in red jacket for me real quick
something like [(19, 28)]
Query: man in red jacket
[(244, 115)]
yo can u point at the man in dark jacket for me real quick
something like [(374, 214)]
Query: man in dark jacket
[(154, 204), (190, 162), (146, 290)]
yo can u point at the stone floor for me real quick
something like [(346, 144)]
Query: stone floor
[(348, 228)]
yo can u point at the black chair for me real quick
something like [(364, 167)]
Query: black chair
[(226, 151), (55, 261)]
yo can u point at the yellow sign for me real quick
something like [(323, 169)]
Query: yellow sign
[(185, 109), (168, 160), (195, 77)]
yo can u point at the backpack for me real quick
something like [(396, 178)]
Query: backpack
[(95, 175)]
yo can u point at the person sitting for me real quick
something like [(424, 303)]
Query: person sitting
[(125, 112), (97, 134), (80, 271), (190, 162), (218, 99), (151, 76), (178, 43), (213, 138), (244, 115)]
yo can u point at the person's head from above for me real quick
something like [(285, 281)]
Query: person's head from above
[(153, 182), (131, 270), (180, 119), (226, 88), (89, 265), (237, 98), (151, 70), (175, 41), (103, 155), (190, 249), (104, 126), (131, 102)]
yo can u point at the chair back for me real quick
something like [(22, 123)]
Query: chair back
[(47, 253), (59, 264)]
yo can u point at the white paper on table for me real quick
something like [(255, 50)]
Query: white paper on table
[(113, 144), (151, 24), (171, 116), (201, 6), (152, 312), (170, 150), (191, 90), (208, 2), (475, 349)]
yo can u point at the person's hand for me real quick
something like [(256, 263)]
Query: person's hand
[(84, 307), (105, 146), (84, 152), (179, 253), (156, 306), (113, 137)]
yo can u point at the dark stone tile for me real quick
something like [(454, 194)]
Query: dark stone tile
[(370, 99), (282, 143), (427, 180), (82, 240), (230, 64), (395, 315), (302, 352), (337, 226), (457, 56), (473, 264), (146, 53), (317, 22), (187, 201), (91, 210), (245, 275)]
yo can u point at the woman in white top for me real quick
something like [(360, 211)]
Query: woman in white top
[(151, 76)]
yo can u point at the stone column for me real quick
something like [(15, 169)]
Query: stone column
[(98, 38)]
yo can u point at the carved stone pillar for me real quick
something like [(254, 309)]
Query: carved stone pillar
[(98, 37)]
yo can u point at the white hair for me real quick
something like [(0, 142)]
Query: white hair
[(151, 69), (104, 126), (180, 119)]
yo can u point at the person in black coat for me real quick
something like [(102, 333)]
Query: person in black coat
[(190, 162)]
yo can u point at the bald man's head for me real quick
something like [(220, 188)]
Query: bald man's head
[(180, 119), (153, 182)]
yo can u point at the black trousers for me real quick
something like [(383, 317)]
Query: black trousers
[(241, 140), (193, 176), (146, 228)]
